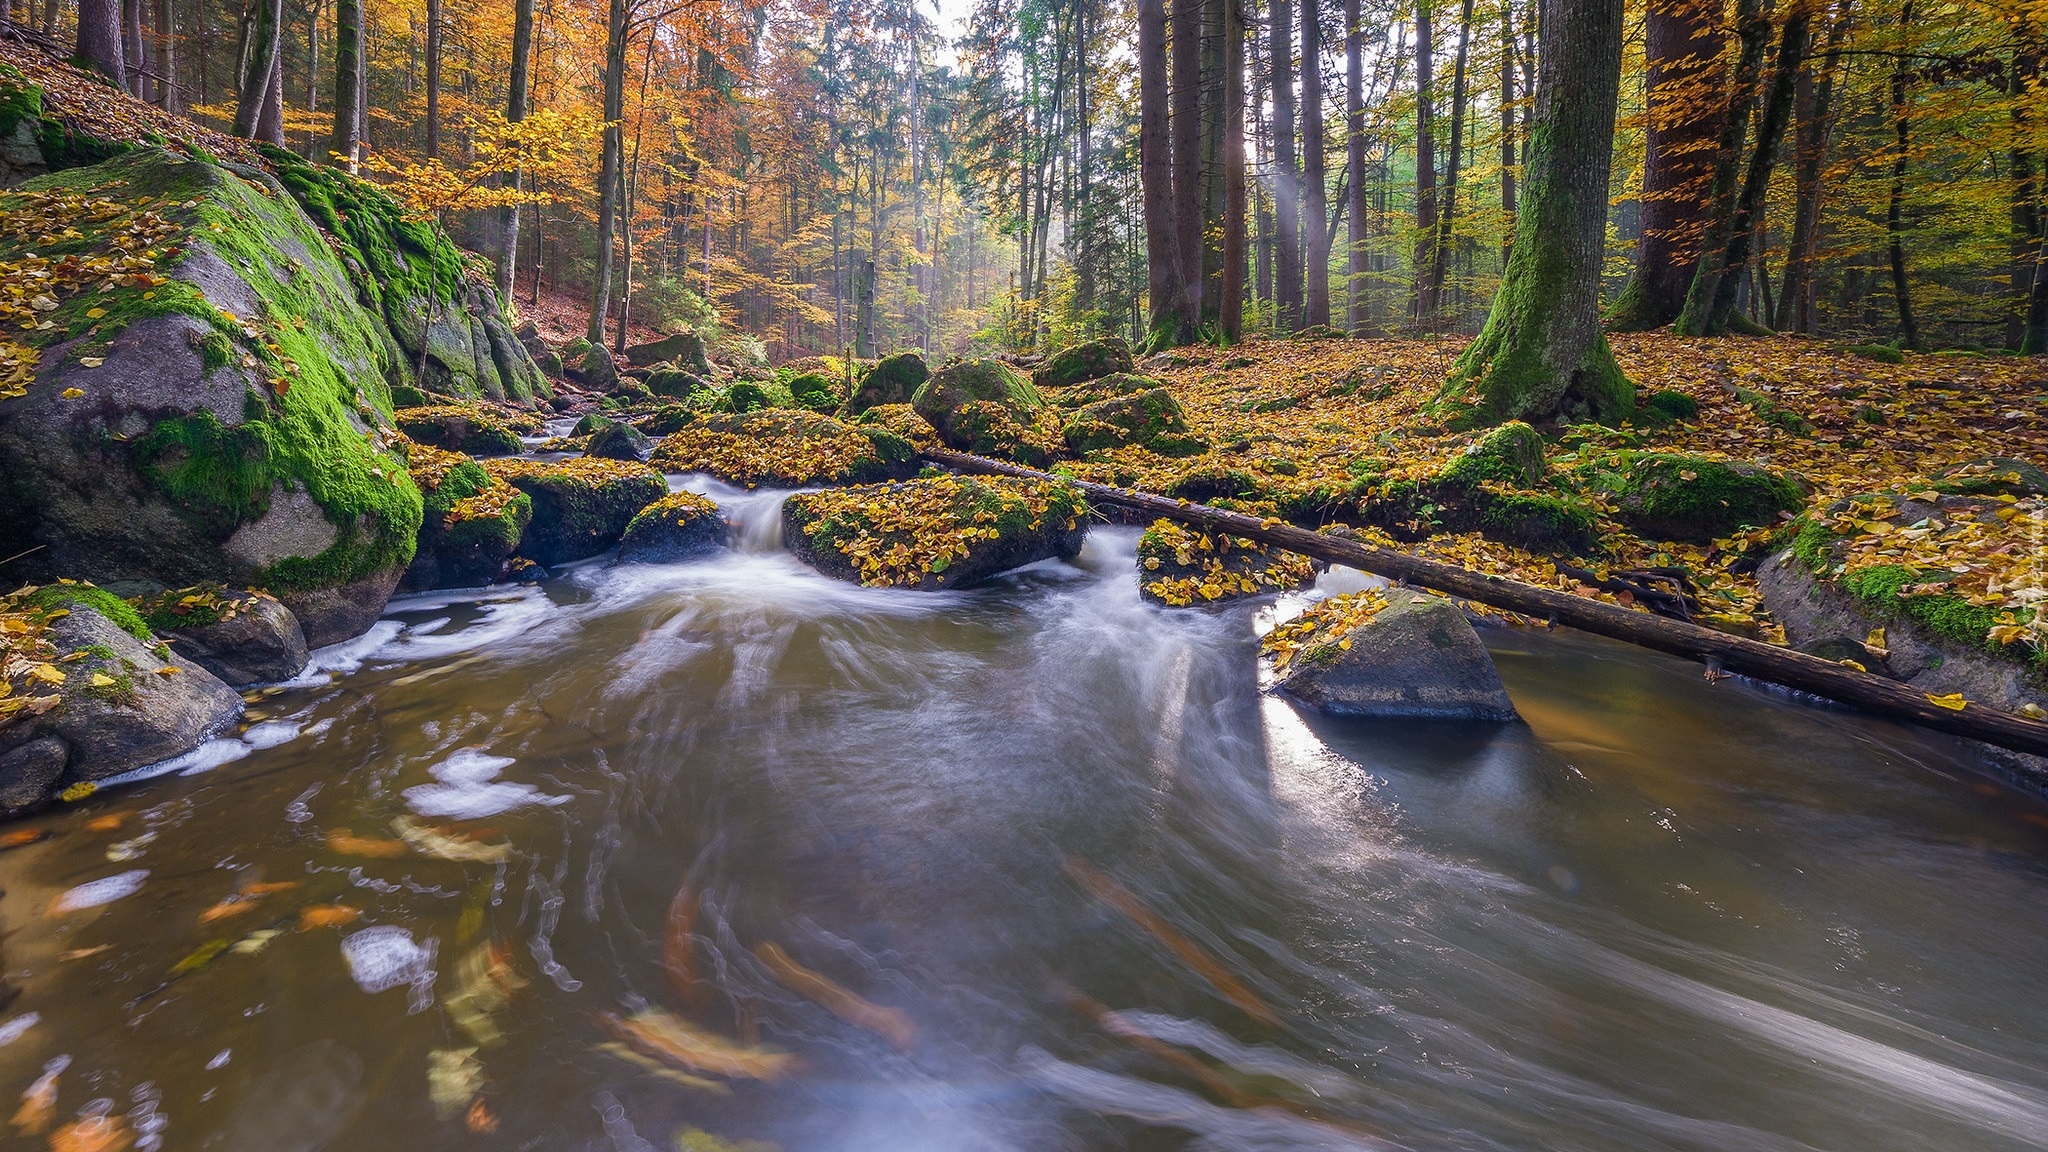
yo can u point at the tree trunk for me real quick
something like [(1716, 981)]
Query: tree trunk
[(1421, 309), (1542, 354), (1749, 206), (2034, 337), (608, 169), (131, 46), (1084, 209), (1230, 307), (516, 85), (1894, 217), (1683, 76), (1354, 163), (1507, 130), (1286, 172), (434, 80), (270, 125), (1186, 130), (1440, 248), (1753, 28), (1155, 176), (1815, 104), (99, 39), (167, 56), (346, 148), (261, 64), (1315, 211)]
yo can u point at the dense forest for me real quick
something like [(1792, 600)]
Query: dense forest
[(824, 175)]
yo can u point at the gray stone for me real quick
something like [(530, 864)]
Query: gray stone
[(28, 774), (615, 441), (1419, 658), (141, 715), (686, 349), (344, 612), (261, 643)]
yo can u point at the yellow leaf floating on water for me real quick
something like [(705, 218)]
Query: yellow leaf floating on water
[(39, 1101), (348, 844), (431, 841), (92, 1134), (1954, 702), (326, 916), (666, 1036), (892, 1024)]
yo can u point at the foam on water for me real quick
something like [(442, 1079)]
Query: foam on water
[(469, 788), (106, 890)]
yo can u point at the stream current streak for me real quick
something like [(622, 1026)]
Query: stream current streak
[(1033, 866)]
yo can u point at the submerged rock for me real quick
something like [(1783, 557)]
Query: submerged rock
[(676, 527), (615, 441), (242, 637), (580, 507), (122, 698), (786, 448), (934, 533), (1418, 657)]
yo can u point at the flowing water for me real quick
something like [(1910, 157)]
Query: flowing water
[(680, 857)]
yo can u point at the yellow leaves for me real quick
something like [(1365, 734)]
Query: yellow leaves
[(73, 393), (91, 361), (1954, 702), (47, 673), (326, 916), (102, 680)]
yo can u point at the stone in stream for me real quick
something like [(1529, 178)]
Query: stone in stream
[(242, 637), (985, 407), (473, 522), (580, 507), (125, 700), (460, 428), (615, 441), (678, 526), (934, 533), (786, 448), (1417, 658)]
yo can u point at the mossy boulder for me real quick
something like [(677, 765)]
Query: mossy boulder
[(580, 507), (971, 402), (1994, 476), (814, 391), (1667, 496), (1509, 454), (684, 349), (1134, 418), (218, 413), (103, 696), (892, 380), (473, 525), (242, 637), (616, 441), (1179, 566), (459, 428), (676, 383), (786, 448), (1415, 658), (934, 533), (679, 526), (1091, 360), (593, 367), (1104, 388)]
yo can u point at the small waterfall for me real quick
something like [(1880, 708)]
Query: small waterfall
[(755, 514)]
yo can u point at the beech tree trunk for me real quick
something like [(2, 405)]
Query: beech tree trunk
[(1421, 310), (131, 46), (434, 80), (1814, 103), (265, 39), (1542, 354), (1315, 213), (99, 38), (1186, 129), (1749, 206), (1507, 130), (1683, 72), (612, 154), (1354, 162), (1286, 171), (1753, 29), (516, 85), (1895, 208), (1155, 177), (1447, 213), (1230, 307), (167, 56), (346, 148)]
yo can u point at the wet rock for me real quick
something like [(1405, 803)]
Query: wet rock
[(1087, 361), (472, 526), (982, 406), (678, 526), (1499, 486), (580, 507), (460, 428), (786, 448), (329, 615), (934, 533), (1993, 476), (892, 380), (685, 349), (1418, 658), (242, 637), (614, 441), (676, 383), (29, 773)]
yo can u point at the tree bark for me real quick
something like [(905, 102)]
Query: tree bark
[(516, 85), (346, 147), (1186, 130), (1155, 177), (1230, 307), (1718, 650), (1421, 310), (434, 80), (270, 124), (1749, 206), (1315, 209), (1507, 130), (1542, 354), (1354, 162), (1447, 213), (131, 46), (608, 168), (1753, 29), (167, 56), (99, 39), (1683, 74), (262, 60), (1815, 103), (1895, 207), (1286, 171)]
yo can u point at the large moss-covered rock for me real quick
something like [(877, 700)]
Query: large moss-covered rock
[(892, 380), (473, 523), (1667, 496), (615, 441), (1498, 485), (580, 507), (459, 428), (1091, 360), (786, 448), (934, 533), (1179, 567), (1133, 418), (815, 391), (1416, 657), (678, 526), (968, 403), (242, 637), (216, 412), (684, 349), (102, 696)]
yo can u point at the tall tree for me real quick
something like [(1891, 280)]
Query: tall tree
[(99, 38), (434, 29), (1542, 354), (1753, 32), (617, 26), (1155, 178), (1230, 307), (1447, 211), (346, 146), (1315, 207), (1425, 158), (1286, 171), (517, 84), (1895, 204), (1686, 106), (1815, 112), (1354, 164), (265, 43), (1186, 117)]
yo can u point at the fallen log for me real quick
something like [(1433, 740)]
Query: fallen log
[(1718, 650)]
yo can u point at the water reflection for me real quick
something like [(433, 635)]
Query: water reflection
[(664, 856)]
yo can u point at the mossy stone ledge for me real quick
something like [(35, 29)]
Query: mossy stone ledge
[(933, 533), (580, 507)]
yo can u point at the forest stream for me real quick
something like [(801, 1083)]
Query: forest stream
[(687, 856)]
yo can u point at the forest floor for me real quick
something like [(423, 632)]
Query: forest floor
[(1904, 465), (562, 315)]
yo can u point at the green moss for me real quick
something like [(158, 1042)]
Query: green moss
[(1086, 361), (1672, 405), (1883, 353), (1678, 497), (892, 380), (1951, 617), (1536, 520), (1509, 454), (815, 391), (192, 607), (118, 612), (19, 99)]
